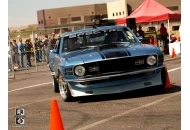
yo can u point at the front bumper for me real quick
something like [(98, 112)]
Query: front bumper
[(118, 86)]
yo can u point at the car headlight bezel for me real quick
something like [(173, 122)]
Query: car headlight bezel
[(79, 70), (151, 60)]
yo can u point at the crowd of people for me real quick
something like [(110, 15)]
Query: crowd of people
[(39, 50)]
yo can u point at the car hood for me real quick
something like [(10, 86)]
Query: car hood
[(97, 54)]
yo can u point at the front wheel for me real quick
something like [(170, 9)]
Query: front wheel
[(64, 90), (55, 85)]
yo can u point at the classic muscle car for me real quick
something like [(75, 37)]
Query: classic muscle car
[(104, 60)]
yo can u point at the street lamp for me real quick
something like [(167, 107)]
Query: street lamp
[(69, 18), (94, 23), (50, 20)]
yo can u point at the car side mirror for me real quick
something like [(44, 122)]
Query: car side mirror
[(55, 50), (140, 38)]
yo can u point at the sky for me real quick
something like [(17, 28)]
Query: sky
[(24, 12)]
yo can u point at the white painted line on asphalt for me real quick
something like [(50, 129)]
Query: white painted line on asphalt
[(37, 85), (174, 69), (33, 102), (127, 112)]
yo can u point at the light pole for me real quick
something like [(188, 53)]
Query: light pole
[(94, 23), (69, 18), (50, 20)]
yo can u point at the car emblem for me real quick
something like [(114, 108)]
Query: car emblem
[(139, 62)]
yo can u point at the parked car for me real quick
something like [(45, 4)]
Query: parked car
[(104, 60)]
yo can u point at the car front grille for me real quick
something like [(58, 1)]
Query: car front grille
[(126, 64)]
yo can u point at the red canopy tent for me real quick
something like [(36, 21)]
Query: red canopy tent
[(151, 11)]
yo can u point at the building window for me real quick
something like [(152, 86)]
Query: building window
[(97, 16), (116, 14), (105, 16), (119, 13), (173, 8), (38, 22), (113, 15), (123, 12), (63, 20), (41, 22), (76, 19), (175, 28)]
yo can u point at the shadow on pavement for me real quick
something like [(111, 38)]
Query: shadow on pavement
[(127, 95)]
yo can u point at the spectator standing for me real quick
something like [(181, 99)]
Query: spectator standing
[(28, 48), (21, 52), (15, 54), (51, 45), (163, 37), (140, 31), (40, 49), (37, 50), (32, 51), (163, 33), (45, 44), (10, 49)]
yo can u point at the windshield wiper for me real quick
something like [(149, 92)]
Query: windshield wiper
[(121, 42), (83, 47)]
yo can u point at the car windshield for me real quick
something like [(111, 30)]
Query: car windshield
[(100, 37)]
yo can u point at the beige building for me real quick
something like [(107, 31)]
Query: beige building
[(117, 9)]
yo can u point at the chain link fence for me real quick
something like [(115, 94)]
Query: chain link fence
[(29, 50)]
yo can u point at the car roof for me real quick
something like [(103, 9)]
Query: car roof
[(91, 29)]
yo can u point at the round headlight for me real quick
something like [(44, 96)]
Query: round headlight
[(151, 60), (79, 71)]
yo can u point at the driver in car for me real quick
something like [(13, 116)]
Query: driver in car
[(72, 43), (111, 37)]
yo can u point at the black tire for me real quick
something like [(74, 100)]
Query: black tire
[(64, 90), (55, 85)]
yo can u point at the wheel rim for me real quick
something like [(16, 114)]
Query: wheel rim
[(62, 89)]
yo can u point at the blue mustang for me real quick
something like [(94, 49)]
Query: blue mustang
[(104, 60)]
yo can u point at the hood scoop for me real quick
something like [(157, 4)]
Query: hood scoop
[(112, 51)]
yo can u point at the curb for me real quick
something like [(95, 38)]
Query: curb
[(172, 58)]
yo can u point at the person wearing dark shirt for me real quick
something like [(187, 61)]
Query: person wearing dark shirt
[(140, 31), (45, 44), (163, 32), (52, 42), (163, 37), (28, 48), (50, 45), (37, 50)]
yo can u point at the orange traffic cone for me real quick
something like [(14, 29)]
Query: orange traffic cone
[(168, 84), (55, 117), (173, 53), (150, 41), (155, 41), (178, 39)]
